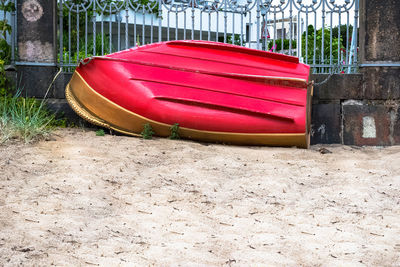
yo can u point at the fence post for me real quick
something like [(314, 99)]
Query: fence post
[(380, 47), (36, 42), (376, 119)]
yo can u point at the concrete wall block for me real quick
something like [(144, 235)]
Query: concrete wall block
[(35, 80), (62, 109), (379, 30), (12, 77), (36, 30), (60, 84), (338, 86), (371, 123), (395, 123), (325, 123), (381, 83)]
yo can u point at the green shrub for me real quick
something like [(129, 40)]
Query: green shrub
[(3, 79), (278, 44), (147, 132), (100, 132), (175, 131)]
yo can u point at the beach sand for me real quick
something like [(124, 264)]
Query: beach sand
[(81, 199)]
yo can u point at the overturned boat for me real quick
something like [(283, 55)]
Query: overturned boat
[(215, 92)]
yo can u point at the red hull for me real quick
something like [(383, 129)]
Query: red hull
[(205, 86)]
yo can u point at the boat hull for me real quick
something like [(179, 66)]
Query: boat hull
[(205, 108)]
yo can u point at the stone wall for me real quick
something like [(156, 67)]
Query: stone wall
[(374, 119), (336, 117)]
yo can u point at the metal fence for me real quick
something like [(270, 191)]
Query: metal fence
[(322, 33)]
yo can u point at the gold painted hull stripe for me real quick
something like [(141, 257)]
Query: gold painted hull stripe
[(97, 109)]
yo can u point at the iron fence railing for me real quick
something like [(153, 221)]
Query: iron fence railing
[(322, 33)]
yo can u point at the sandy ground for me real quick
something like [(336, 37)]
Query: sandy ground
[(80, 199)]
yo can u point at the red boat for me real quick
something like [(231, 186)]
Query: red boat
[(215, 92)]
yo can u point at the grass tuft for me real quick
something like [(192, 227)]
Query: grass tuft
[(24, 119)]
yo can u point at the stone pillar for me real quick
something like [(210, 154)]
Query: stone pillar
[(36, 41), (376, 119)]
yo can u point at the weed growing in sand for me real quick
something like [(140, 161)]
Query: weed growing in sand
[(175, 131), (24, 118), (100, 132), (147, 132)]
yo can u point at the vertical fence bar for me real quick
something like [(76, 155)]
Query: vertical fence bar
[(151, 28), (134, 30), (168, 25), (323, 36), (217, 29), (225, 21), (275, 33), (209, 26), (127, 25), (315, 39), (347, 37), (250, 29), (77, 33), (330, 43), (176, 24), (94, 27), (264, 30), (110, 30), (102, 32), (298, 35), (192, 2), (306, 46), (233, 28), (339, 42), (86, 32), (355, 31), (184, 25), (159, 20), (69, 36), (201, 24), (258, 23), (143, 26), (119, 18), (241, 26), (290, 27), (283, 34), (61, 48)]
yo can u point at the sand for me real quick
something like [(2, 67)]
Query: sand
[(81, 199)]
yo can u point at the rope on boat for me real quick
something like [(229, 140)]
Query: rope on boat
[(52, 82), (86, 61), (336, 68)]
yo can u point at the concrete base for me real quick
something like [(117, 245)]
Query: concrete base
[(338, 86), (35, 80), (335, 118), (374, 123), (62, 110), (381, 83), (326, 123)]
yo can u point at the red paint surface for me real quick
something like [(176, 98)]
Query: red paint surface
[(205, 86)]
